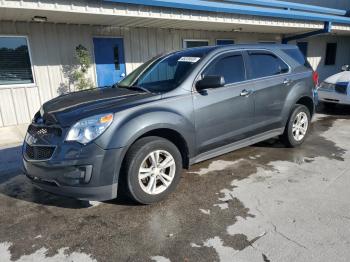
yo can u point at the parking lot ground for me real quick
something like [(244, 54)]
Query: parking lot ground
[(261, 203)]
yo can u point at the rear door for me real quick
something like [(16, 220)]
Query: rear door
[(223, 115), (270, 76)]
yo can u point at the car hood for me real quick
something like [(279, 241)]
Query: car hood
[(67, 109), (341, 77)]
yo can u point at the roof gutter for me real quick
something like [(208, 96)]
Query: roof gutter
[(304, 12)]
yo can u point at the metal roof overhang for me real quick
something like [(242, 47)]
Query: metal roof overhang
[(123, 13), (272, 8)]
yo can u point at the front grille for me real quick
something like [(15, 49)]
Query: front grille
[(44, 130), (341, 88), (39, 152)]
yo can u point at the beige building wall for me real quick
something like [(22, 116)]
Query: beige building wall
[(52, 49)]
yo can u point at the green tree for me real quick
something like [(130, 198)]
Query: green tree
[(83, 58)]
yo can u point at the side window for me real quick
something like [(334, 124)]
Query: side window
[(266, 64), (189, 43), (231, 67), (298, 56), (331, 54), (224, 42), (15, 64)]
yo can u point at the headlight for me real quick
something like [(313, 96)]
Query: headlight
[(89, 129), (325, 85)]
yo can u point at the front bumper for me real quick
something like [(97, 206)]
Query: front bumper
[(85, 172), (330, 96)]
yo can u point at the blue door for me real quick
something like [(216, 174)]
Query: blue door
[(109, 59)]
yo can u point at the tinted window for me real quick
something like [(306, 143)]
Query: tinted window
[(266, 64), (230, 67), (15, 66), (297, 56), (331, 53)]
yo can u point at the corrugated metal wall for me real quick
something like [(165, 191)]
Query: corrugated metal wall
[(317, 54), (52, 51)]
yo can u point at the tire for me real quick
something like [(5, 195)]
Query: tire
[(137, 182), (295, 134)]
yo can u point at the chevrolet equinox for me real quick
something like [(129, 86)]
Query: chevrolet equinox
[(173, 111)]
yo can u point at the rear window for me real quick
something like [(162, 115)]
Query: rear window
[(266, 64), (297, 55)]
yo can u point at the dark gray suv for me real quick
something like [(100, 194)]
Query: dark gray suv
[(173, 111)]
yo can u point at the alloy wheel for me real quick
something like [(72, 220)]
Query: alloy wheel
[(156, 172), (300, 126)]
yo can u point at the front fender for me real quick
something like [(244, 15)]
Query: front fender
[(128, 126)]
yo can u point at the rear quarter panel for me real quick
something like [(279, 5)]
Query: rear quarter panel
[(302, 86)]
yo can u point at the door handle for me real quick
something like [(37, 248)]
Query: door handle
[(246, 92), (287, 81)]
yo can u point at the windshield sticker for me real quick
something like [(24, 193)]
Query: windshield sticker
[(189, 59)]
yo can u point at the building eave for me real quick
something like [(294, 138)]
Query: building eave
[(311, 13), (136, 15)]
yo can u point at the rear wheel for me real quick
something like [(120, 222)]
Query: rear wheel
[(297, 126), (153, 168)]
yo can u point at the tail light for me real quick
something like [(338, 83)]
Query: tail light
[(315, 77)]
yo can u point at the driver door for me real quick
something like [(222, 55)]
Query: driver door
[(224, 115)]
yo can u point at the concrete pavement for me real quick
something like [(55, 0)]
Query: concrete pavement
[(12, 135), (261, 203)]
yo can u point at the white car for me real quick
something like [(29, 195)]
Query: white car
[(336, 88)]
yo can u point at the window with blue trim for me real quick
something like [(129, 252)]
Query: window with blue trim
[(15, 65), (189, 43), (225, 42)]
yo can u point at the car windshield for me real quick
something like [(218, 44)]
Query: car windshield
[(165, 73)]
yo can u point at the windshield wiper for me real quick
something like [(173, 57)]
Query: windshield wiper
[(135, 88)]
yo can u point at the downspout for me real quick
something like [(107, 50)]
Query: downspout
[(326, 30)]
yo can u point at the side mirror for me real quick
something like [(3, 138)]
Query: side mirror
[(210, 82), (345, 68)]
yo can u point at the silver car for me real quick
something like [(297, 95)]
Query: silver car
[(336, 88)]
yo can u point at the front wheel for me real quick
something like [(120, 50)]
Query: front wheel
[(297, 126), (152, 168)]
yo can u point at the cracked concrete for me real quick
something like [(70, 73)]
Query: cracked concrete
[(301, 218), (262, 203)]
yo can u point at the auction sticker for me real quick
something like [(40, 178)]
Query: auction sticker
[(189, 59)]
